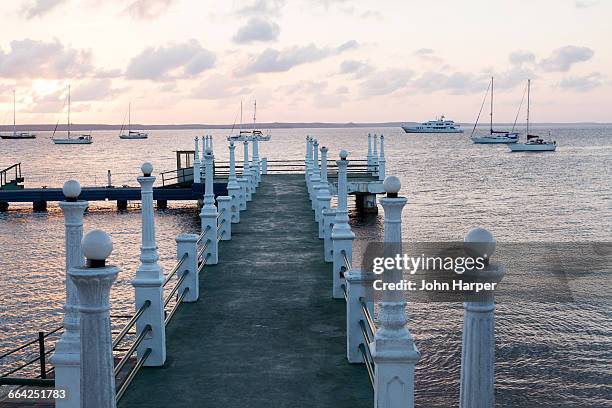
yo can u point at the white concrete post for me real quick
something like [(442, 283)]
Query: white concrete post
[(342, 235), (109, 179), (328, 219), (478, 342), (225, 215), (309, 163), (204, 146), (149, 280), (393, 349), (370, 167), (197, 174), (381, 159), (316, 175), (323, 194), (375, 153), (253, 168), (233, 187), (256, 162), (210, 143), (209, 214), (187, 245), (93, 283), (246, 172), (307, 159), (67, 356), (264, 166)]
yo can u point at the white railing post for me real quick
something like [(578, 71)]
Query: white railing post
[(209, 214), (328, 218), (233, 188), (210, 144), (93, 283), (149, 279), (370, 166), (478, 342), (252, 167), (67, 356), (264, 166), (204, 146), (187, 246), (375, 155), (225, 215), (309, 163), (246, 172), (358, 283), (393, 349), (316, 175), (256, 162), (342, 235), (307, 159), (323, 195), (381, 159), (197, 173)]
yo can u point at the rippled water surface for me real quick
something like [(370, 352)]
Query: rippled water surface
[(549, 354)]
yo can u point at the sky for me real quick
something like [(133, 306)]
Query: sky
[(194, 61)]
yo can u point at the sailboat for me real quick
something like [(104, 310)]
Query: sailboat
[(131, 134), (494, 136), (534, 143), (15, 134), (250, 134), (78, 139)]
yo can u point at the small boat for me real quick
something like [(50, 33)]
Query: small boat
[(435, 126), (249, 135), (494, 136), (131, 134), (534, 143), (78, 139), (17, 135)]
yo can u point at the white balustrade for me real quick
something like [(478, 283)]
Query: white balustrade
[(187, 256), (197, 172), (381, 159), (233, 187), (342, 235), (225, 215), (323, 194), (209, 214)]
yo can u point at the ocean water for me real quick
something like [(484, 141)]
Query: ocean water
[(549, 353)]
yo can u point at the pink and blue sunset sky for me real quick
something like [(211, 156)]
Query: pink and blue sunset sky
[(192, 61)]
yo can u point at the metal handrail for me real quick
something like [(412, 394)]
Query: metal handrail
[(364, 332), (132, 349), (173, 291), (203, 263), (203, 249), (365, 351), (347, 263), (366, 314), (179, 301), (203, 234), (8, 353), (176, 268), (131, 323), (133, 373), (343, 286)]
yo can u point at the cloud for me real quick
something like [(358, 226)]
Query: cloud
[(38, 8), (96, 89), (374, 15), (264, 8), (386, 82), (586, 3), (38, 59), (562, 59), (428, 55), (358, 69), (583, 83), (171, 62), (454, 82), (271, 60), (521, 57), (148, 9), (257, 29), (220, 87)]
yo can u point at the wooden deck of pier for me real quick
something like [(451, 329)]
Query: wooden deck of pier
[(265, 332)]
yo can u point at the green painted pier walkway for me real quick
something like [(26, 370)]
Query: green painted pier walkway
[(265, 331)]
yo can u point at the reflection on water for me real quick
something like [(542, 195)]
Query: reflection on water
[(548, 354)]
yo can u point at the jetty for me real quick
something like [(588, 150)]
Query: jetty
[(264, 306)]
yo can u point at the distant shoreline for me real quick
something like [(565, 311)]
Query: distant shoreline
[(274, 125)]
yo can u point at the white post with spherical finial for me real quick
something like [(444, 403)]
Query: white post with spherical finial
[(196, 163), (393, 349), (93, 283), (370, 167), (246, 172), (316, 175), (209, 214), (149, 279), (67, 356), (381, 159), (233, 187), (323, 194), (375, 155), (478, 342), (307, 159), (342, 235), (310, 169), (210, 143), (256, 162)]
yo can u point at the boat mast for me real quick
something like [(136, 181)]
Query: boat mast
[(68, 111), (254, 113), (14, 109), (491, 105), (241, 116), (528, 97)]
